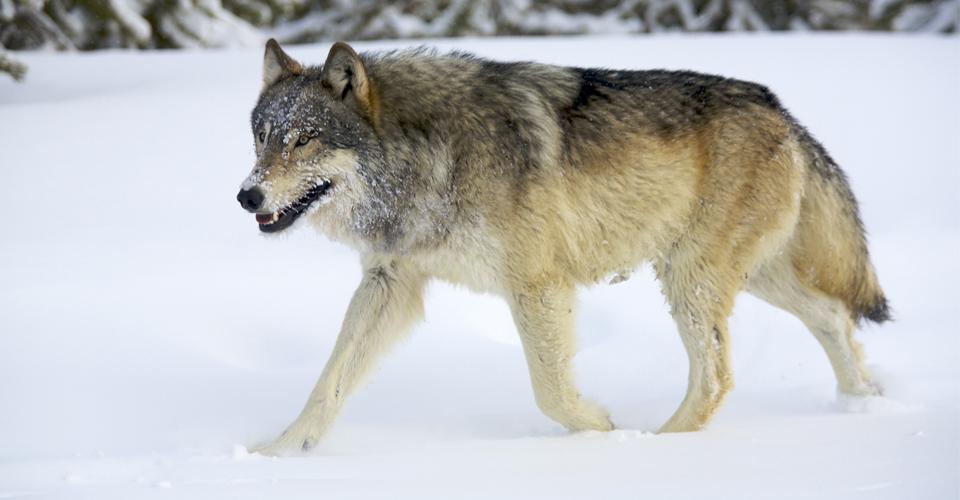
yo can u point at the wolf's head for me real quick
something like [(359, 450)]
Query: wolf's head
[(318, 152)]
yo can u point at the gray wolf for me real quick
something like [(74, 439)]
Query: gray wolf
[(526, 180)]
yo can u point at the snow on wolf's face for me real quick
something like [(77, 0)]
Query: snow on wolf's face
[(309, 147)]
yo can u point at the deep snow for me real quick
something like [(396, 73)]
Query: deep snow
[(149, 332)]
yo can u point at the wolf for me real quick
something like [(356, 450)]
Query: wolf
[(527, 180)]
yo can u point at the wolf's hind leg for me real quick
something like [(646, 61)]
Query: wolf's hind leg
[(826, 317), (544, 318), (383, 308), (700, 303)]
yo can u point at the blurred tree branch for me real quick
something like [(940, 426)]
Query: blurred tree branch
[(11, 66), (149, 24)]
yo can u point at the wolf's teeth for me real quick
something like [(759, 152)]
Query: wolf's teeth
[(265, 220)]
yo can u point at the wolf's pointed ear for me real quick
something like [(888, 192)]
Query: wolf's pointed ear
[(346, 77), (277, 64)]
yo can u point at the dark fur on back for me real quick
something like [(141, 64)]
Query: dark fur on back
[(491, 102)]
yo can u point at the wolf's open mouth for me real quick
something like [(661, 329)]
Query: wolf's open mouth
[(281, 219)]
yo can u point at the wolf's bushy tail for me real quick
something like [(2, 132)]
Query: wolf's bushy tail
[(833, 245)]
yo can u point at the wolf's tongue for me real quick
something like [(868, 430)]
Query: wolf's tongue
[(265, 218)]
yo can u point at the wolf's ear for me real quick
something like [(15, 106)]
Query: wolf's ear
[(277, 64), (346, 77)]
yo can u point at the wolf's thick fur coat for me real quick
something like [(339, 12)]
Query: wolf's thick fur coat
[(527, 180)]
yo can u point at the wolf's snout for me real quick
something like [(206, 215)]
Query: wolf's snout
[(250, 199)]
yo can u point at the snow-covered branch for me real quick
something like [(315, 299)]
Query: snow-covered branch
[(94, 24), (11, 66)]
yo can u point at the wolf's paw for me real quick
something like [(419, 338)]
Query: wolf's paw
[(863, 390), (602, 421), (298, 438), (874, 389), (586, 417), (286, 445), (679, 423), (869, 398)]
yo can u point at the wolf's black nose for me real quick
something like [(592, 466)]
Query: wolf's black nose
[(250, 199)]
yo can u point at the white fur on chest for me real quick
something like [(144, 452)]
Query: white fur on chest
[(468, 258)]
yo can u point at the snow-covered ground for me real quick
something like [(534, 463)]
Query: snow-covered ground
[(148, 333)]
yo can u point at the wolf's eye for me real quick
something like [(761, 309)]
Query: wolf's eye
[(304, 138), (262, 136)]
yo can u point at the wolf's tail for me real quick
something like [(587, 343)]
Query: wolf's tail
[(831, 244)]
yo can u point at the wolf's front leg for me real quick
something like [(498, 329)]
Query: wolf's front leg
[(384, 307), (544, 317)]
